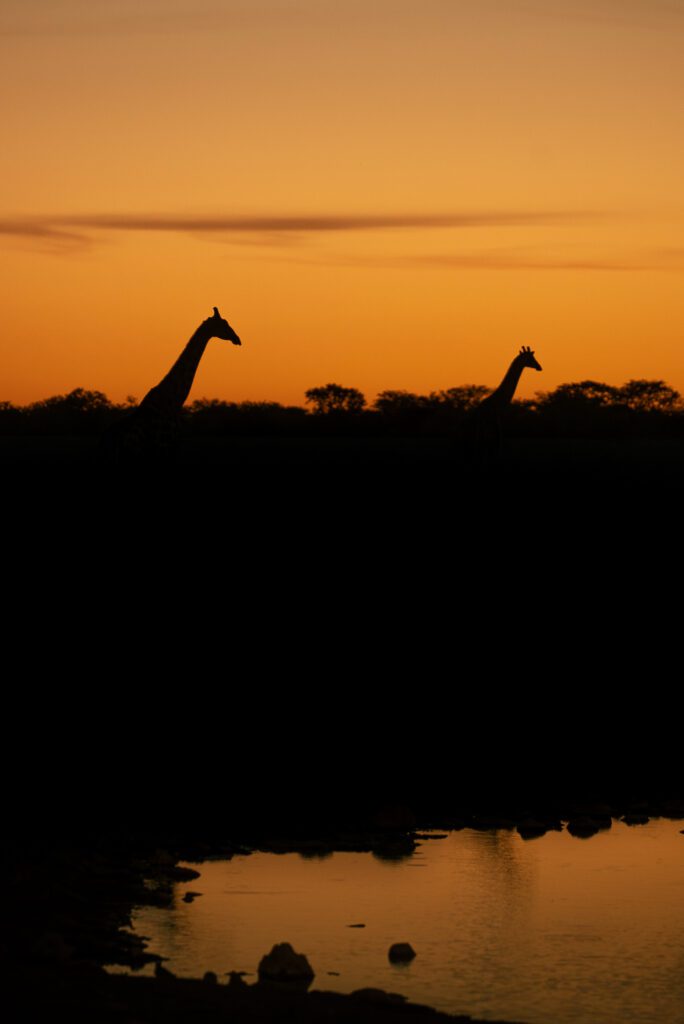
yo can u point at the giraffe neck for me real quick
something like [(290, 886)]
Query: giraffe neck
[(503, 395), (169, 395)]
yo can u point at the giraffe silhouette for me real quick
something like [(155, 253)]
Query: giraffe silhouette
[(152, 431), (487, 418)]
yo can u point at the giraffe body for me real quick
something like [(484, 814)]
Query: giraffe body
[(152, 431)]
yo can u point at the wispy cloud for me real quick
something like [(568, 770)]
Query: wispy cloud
[(39, 236), (505, 258), (281, 237), (78, 229), (663, 15), (30, 228), (317, 222), (141, 17)]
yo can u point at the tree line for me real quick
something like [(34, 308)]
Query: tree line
[(585, 408)]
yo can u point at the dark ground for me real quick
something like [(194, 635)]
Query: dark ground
[(526, 463), (340, 617), (276, 639), (68, 899)]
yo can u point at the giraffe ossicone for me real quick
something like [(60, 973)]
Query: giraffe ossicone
[(222, 328)]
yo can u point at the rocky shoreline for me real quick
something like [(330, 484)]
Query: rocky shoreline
[(68, 906)]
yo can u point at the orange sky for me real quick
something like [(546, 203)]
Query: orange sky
[(381, 193)]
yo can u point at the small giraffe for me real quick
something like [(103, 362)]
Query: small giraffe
[(488, 416), (152, 431)]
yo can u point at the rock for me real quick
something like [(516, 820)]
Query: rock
[(583, 827), (283, 964), (190, 896), (378, 995), (235, 980), (179, 874), (401, 953), (394, 847), (530, 828), (318, 852), (210, 977)]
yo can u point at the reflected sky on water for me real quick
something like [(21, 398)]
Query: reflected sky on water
[(552, 929)]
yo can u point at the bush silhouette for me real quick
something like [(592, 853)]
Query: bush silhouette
[(334, 398)]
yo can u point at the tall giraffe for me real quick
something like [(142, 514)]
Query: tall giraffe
[(487, 417), (152, 430)]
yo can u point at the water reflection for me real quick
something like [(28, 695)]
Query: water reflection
[(556, 928)]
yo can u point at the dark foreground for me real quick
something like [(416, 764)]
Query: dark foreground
[(261, 643), (87, 995), (295, 627), (68, 902)]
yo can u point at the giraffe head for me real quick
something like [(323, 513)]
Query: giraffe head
[(526, 357), (220, 328)]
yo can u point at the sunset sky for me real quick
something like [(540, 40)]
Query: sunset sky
[(380, 193)]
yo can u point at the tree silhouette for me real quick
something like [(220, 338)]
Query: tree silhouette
[(585, 392), (80, 411), (466, 396), (335, 398), (400, 402), (213, 416), (79, 400), (588, 408), (650, 396)]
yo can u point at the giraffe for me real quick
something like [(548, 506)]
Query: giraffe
[(487, 417), (152, 431)]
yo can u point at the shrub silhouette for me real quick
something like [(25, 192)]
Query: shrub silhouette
[(580, 409), (211, 416), (332, 398), (650, 396)]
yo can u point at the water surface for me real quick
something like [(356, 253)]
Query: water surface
[(552, 929)]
